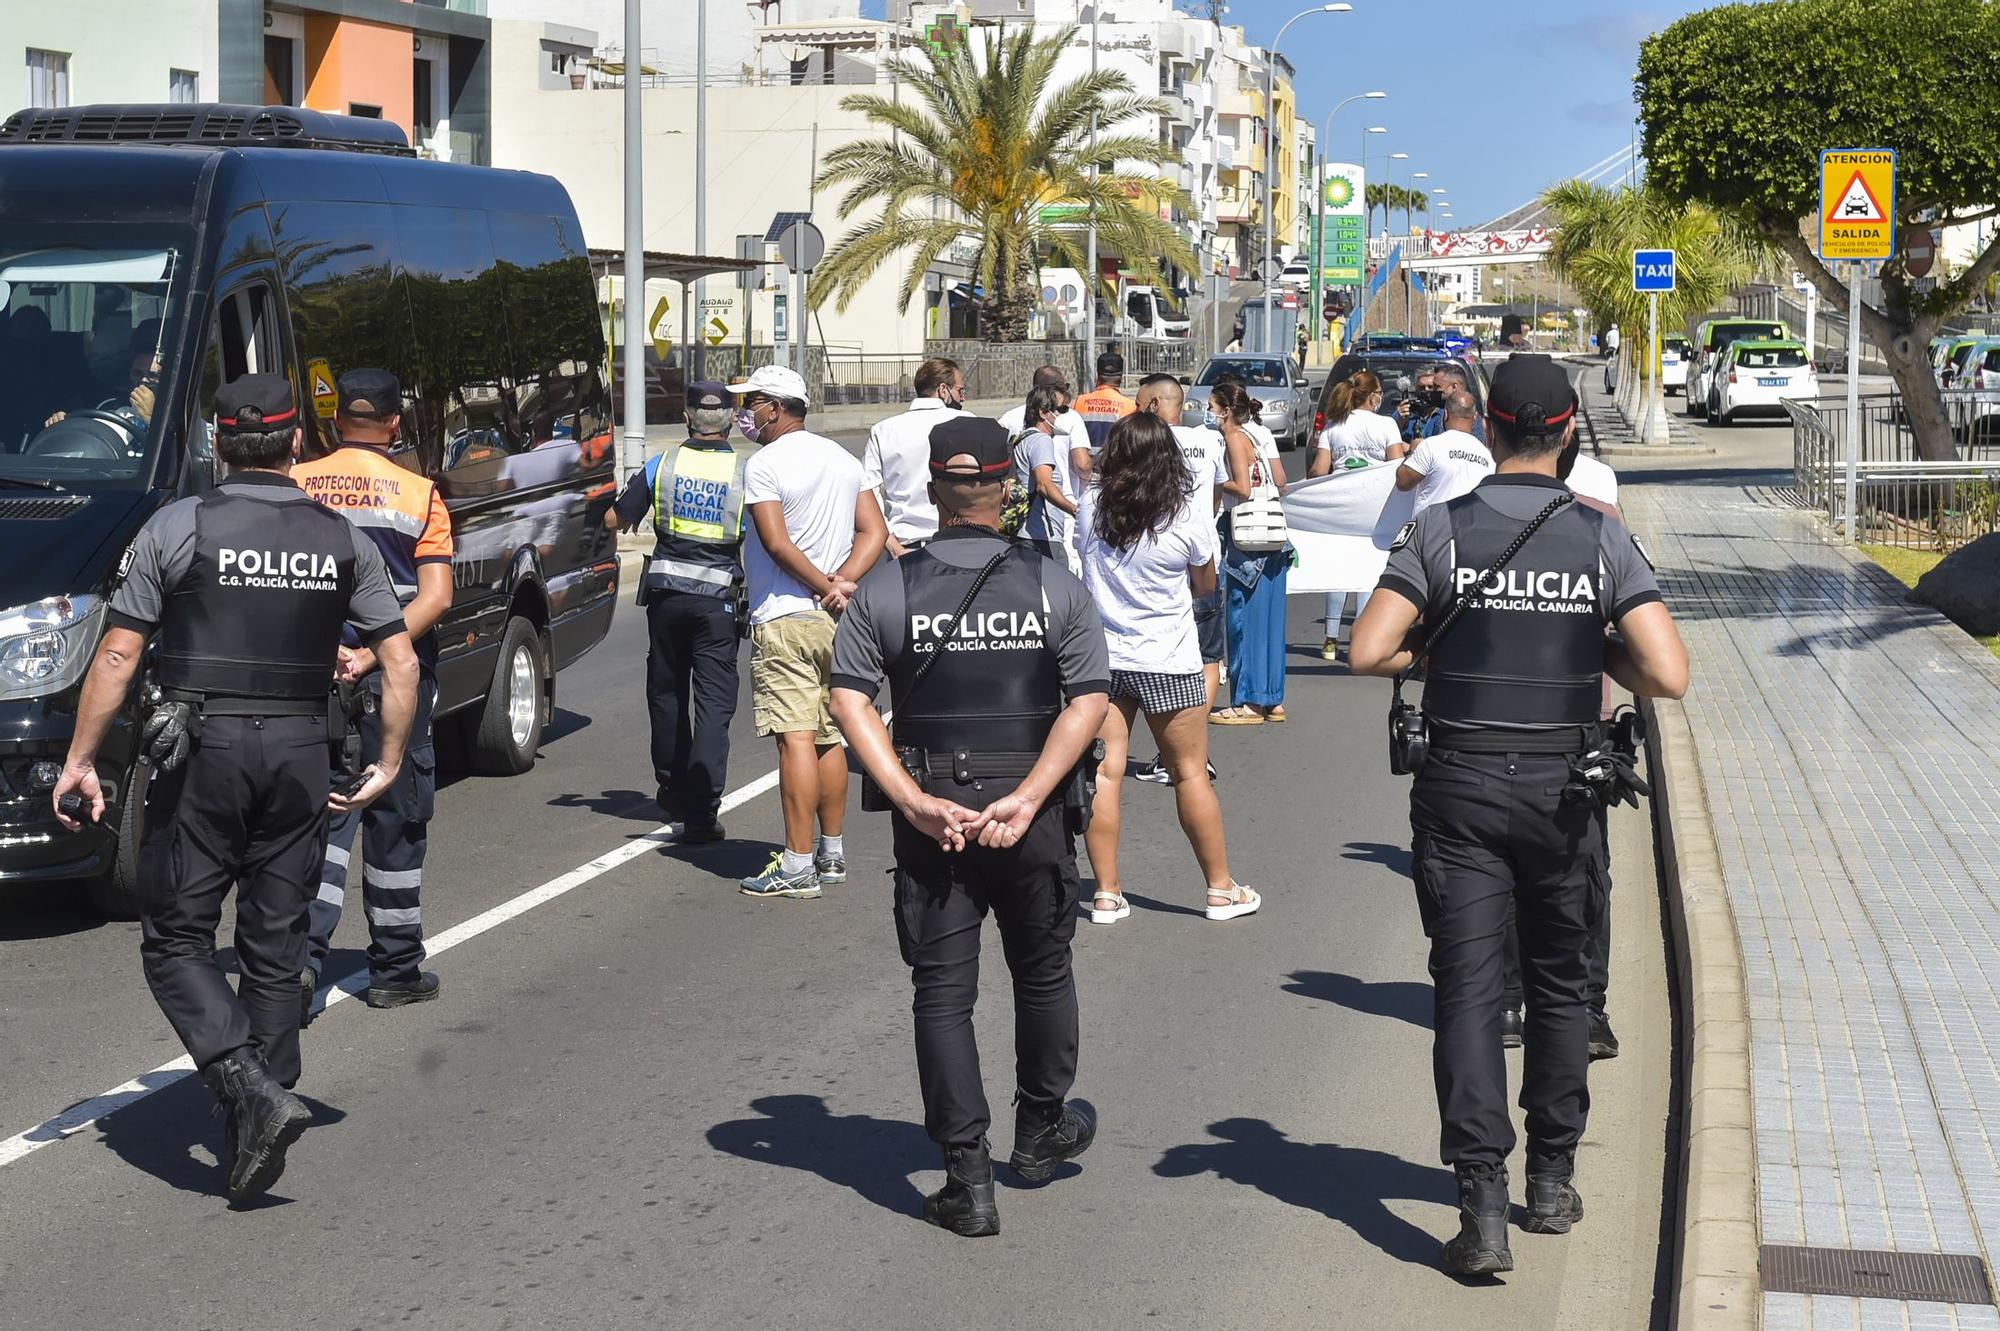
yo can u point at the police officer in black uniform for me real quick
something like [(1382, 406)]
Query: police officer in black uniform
[(247, 588), (1514, 584), (999, 676)]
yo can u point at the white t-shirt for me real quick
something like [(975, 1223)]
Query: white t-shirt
[(818, 482), (1267, 450), (1364, 434), (1594, 480), (1267, 443), (1207, 458), (1451, 462), (897, 462), (1142, 593)]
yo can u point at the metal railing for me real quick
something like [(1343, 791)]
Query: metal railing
[(1900, 499)]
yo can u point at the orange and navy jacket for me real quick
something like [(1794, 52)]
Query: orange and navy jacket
[(401, 511), (1101, 408)]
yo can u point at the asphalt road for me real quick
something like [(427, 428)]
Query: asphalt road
[(647, 1101)]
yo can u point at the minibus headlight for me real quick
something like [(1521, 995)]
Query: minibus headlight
[(45, 647)]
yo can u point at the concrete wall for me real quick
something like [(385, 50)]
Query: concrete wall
[(119, 50), (762, 151)]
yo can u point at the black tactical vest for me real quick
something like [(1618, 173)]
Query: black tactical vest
[(259, 612), (1529, 648), (997, 688)]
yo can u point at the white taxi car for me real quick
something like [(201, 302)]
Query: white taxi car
[(1755, 377), (1675, 352)]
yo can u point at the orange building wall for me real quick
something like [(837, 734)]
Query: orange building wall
[(349, 61)]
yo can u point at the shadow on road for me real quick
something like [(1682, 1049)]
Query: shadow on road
[(633, 804), (1344, 1183), (31, 911), (173, 1135), (1394, 858), (873, 1156), (1405, 1000)]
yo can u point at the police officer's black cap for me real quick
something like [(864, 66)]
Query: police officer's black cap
[(256, 404), (1532, 394), (985, 441), (707, 395), (370, 395), (1110, 365)]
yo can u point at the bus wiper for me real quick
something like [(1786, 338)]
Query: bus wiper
[(32, 483)]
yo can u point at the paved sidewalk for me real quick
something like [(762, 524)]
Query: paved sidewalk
[(1845, 741)]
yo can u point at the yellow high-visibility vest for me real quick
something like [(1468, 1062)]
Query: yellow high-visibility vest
[(698, 495)]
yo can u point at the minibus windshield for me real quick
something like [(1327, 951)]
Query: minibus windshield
[(83, 354)]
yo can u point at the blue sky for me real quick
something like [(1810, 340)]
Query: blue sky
[(1566, 66)]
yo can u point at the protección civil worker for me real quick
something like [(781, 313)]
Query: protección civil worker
[(1504, 594), (692, 590), (998, 676)]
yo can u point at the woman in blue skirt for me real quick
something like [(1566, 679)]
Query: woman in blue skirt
[(1253, 581)]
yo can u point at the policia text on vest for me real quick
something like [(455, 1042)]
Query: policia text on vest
[(1512, 697), (692, 589), (248, 588), (991, 722)]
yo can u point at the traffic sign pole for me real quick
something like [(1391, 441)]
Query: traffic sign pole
[(1853, 387), (1653, 341)]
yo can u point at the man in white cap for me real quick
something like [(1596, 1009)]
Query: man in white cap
[(814, 531)]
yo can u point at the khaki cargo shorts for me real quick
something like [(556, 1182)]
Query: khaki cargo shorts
[(791, 671)]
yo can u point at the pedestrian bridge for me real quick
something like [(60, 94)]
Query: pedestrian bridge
[(1426, 249)]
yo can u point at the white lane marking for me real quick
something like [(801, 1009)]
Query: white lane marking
[(80, 1116)]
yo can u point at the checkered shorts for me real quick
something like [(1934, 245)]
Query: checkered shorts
[(1159, 694)]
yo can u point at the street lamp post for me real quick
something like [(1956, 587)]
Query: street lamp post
[(1388, 202), (1367, 230), (1271, 148), (633, 441), (1410, 229), (1319, 205), (1090, 278)]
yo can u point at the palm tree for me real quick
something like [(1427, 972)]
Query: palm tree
[(987, 148), (1597, 230), (1389, 197)]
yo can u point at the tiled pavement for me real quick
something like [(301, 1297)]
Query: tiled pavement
[(1846, 742)]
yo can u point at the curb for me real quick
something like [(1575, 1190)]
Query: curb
[(1715, 1261), (1655, 451)]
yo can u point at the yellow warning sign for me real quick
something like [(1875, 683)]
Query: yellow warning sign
[(319, 383), (1857, 203), (715, 331), (656, 328)]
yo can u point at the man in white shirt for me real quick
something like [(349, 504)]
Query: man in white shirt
[(814, 530), (896, 462), (1594, 480), (1449, 463), (1072, 436)]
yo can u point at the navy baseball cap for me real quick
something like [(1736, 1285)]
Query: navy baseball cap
[(985, 441), (370, 395), (707, 395), (256, 404), (1532, 394)]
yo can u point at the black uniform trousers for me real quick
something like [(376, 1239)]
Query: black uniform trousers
[(247, 809), (394, 833), (1598, 957), (1492, 831), (941, 902), (691, 695)]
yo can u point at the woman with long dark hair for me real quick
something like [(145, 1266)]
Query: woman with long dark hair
[(1253, 582), (1148, 549)]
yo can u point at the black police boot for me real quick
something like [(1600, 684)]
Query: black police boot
[(1481, 1246), (965, 1204), (264, 1120), (1603, 1043), (1044, 1138), (419, 989), (1553, 1204), (1512, 1022)]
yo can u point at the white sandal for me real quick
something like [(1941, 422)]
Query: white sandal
[(1243, 901), (1123, 908)]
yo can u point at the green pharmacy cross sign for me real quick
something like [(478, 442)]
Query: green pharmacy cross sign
[(944, 33)]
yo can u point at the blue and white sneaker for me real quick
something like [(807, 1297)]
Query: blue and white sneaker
[(775, 882), (832, 869)]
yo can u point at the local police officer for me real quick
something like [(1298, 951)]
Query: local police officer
[(1514, 583), (401, 511), (247, 587), (691, 589), (998, 676)]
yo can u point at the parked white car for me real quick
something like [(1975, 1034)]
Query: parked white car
[(1673, 364), (1754, 378)]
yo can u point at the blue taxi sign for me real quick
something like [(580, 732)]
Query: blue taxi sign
[(1652, 270)]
